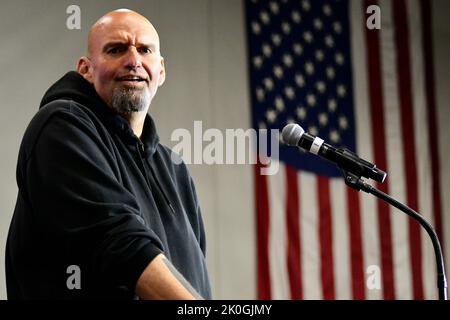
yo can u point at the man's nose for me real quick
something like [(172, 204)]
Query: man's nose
[(133, 59)]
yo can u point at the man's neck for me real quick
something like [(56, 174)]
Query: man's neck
[(136, 121)]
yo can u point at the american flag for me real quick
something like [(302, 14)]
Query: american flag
[(316, 63)]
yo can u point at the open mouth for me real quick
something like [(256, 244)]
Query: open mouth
[(132, 79)]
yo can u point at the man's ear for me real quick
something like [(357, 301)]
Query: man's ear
[(162, 73), (84, 68)]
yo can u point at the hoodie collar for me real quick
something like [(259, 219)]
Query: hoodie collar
[(72, 86)]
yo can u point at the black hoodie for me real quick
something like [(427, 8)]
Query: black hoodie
[(94, 196)]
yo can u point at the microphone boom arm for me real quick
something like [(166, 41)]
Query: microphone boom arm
[(358, 184)]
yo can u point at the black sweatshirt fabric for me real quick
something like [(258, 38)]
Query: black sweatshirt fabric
[(94, 196)]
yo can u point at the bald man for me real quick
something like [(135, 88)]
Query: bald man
[(102, 211)]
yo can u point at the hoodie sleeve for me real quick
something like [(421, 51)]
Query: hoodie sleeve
[(79, 204)]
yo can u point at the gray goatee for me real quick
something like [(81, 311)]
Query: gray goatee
[(126, 100)]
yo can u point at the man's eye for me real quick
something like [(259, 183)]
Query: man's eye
[(113, 50), (145, 50)]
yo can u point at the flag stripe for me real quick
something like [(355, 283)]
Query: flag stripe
[(262, 233), (310, 248), (341, 242), (369, 223), (277, 236), (395, 160), (379, 141), (427, 47), (423, 153), (326, 238), (356, 255), (404, 83), (292, 226)]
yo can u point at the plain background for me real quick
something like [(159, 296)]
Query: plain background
[(203, 42)]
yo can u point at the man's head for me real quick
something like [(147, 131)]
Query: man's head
[(124, 62)]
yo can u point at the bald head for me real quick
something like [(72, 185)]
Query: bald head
[(115, 20), (124, 62)]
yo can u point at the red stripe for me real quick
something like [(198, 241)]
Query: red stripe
[(325, 236), (293, 235), (262, 232), (379, 142), (356, 253), (427, 42), (409, 148)]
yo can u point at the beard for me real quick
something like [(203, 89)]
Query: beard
[(126, 100)]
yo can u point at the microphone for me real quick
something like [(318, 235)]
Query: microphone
[(294, 135)]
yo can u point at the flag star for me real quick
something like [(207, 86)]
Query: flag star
[(332, 105), (311, 100), (318, 25), (279, 103), (313, 130), (309, 67), (271, 116), (337, 27), (330, 73), (260, 94), (289, 121), (334, 136), (329, 41), (298, 49), (264, 16), (278, 71), (323, 119), (276, 39), (267, 50), (256, 27), (341, 90), (306, 5), (268, 83), (343, 123), (301, 113), (296, 17), (274, 7), (286, 27), (287, 60), (321, 87), (327, 10), (289, 92), (339, 58), (300, 80), (319, 55), (257, 62), (307, 35)]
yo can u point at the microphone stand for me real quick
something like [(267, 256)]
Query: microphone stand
[(358, 184)]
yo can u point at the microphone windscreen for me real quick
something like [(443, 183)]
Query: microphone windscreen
[(292, 133)]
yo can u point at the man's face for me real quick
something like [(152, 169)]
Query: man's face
[(124, 63)]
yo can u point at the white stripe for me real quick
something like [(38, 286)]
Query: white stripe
[(341, 243), (309, 235), (277, 235), (423, 154), (395, 156), (369, 227)]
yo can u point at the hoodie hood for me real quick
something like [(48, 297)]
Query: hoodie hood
[(72, 86)]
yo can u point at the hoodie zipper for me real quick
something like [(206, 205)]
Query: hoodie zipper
[(141, 150)]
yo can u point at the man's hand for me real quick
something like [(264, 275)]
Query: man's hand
[(162, 281)]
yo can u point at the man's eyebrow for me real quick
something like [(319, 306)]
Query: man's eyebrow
[(124, 43)]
